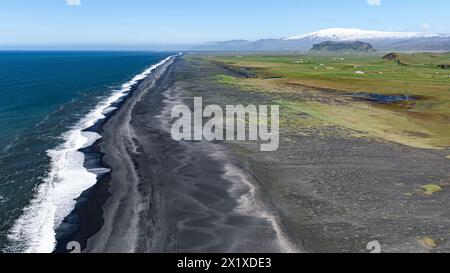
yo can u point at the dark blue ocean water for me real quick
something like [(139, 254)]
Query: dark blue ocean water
[(43, 95)]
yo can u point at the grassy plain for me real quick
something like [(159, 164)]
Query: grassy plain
[(323, 86)]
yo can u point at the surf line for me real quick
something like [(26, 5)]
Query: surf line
[(35, 230)]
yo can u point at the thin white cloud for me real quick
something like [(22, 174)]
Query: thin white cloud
[(374, 2), (425, 27), (73, 2)]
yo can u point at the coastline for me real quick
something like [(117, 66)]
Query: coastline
[(74, 169), (86, 218), (195, 197), (164, 196)]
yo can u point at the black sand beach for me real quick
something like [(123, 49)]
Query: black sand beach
[(317, 193), (166, 196)]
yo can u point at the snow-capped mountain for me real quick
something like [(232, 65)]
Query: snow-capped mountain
[(353, 34), (381, 40)]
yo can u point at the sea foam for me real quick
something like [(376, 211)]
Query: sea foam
[(55, 198)]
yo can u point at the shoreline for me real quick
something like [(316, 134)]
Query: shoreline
[(86, 217), (196, 197), (165, 196)]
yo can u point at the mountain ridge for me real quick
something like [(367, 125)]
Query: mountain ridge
[(342, 47), (353, 34), (382, 40)]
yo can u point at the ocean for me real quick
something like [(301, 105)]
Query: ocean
[(47, 100)]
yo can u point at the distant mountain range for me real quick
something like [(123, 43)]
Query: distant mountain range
[(353, 34), (381, 40)]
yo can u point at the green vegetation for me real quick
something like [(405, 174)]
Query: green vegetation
[(225, 79), (431, 189), (420, 77), (376, 122), (423, 123)]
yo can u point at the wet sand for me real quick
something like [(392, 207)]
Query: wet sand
[(168, 196)]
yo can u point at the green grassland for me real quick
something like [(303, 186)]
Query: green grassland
[(424, 123)]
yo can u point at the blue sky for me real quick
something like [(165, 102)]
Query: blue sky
[(76, 22)]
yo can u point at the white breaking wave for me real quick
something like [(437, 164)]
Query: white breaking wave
[(351, 34), (34, 231)]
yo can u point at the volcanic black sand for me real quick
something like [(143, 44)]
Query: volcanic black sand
[(317, 193), (168, 196)]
